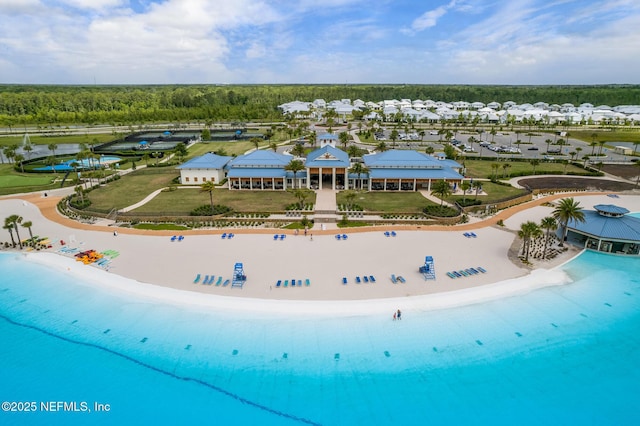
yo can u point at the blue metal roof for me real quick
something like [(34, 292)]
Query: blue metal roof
[(625, 228), (402, 158), (328, 136), (242, 172), (611, 209), (206, 161), (445, 173), (261, 158), (328, 156)]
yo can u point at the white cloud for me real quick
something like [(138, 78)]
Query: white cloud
[(429, 19), (94, 4)]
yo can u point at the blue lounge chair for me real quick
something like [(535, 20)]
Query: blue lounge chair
[(463, 273), (279, 283), (393, 233), (401, 279), (344, 280), (472, 234), (293, 283), (217, 282), (458, 275), (204, 281), (224, 235), (386, 233), (299, 283), (394, 279), (466, 234), (195, 281), (181, 237), (344, 236), (365, 278), (231, 235), (174, 238), (286, 283), (481, 269), (307, 282), (338, 237), (275, 237), (226, 282), (372, 278), (282, 236), (451, 275)]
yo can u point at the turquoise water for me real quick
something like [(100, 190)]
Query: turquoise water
[(86, 163), (560, 355)]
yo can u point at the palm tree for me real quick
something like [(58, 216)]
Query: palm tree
[(28, 224), (80, 192), (535, 162), (548, 224), (505, 167), (209, 187), (494, 169), (14, 220), (565, 163), (601, 143), (477, 185), (548, 142), (567, 210), (394, 136), (382, 147), (145, 158), (441, 189), (273, 146), (294, 166), (19, 158), (528, 231), (349, 197), (465, 186), (344, 139), (637, 165), (301, 195), (255, 142), (52, 147), (9, 227)]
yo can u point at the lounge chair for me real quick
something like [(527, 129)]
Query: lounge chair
[(365, 278), (344, 236), (481, 269), (195, 281), (338, 237), (401, 279), (463, 273), (231, 235), (174, 238), (386, 233), (299, 283), (226, 282), (394, 279), (307, 282), (217, 282), (181, 237), (344, 280), (275, 237), (393, 233), (286, 283), (358, 280), (473, 234), (451, 275), (282, 236), (458, 275), (204, 281), (372, 278), (224, 235), (279, 283)]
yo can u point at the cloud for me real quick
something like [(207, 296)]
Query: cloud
[(429, 19)]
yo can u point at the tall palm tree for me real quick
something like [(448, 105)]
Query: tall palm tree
[(359, 169), (548, 224), (9, 227), (19, 158), (255, 142), (209, 187), (441, 189), (80, 192), (52, 147), (528, 231), (535, 162), (567, 210), (494, 169), (505, 167), (28, 224), (465, 186), (382, 147), (15, 220), (294, 166)]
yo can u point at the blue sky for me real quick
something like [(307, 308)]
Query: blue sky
[(320, 41)]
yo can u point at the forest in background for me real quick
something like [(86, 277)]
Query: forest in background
[(90, 105)]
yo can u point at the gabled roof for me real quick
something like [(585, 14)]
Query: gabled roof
[(327, 156), (396, 158), (206, 161), (261, 158)]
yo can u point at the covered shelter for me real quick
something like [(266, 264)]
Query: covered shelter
[(207, 167), (327, 167), (607, 229), (259, 169)]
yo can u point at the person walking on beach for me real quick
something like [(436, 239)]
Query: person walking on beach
[(394, 316), (399, 314)]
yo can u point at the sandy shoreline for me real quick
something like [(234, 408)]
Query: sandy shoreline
[(172, 266)]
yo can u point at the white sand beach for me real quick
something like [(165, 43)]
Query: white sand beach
[(155, 266)]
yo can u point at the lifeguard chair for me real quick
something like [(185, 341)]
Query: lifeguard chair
[(239, 277), (428, 270)]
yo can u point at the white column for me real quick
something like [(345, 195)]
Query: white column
[(320, 177), (333, 178)]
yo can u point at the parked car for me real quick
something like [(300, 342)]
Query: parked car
[(532, 148)]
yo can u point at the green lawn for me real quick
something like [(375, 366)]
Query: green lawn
[(482, 168), (58, 140), (183, 201), (494, 192), (388, 202), (12, 182), (131, 188), (621, 135), (231, 148)]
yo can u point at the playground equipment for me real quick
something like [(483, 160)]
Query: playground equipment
[(239, 277), (428, 270)]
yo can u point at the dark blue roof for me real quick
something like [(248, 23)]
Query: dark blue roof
[(328, 156), (624, 228)]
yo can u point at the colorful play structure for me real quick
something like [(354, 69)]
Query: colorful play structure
[(88, 256), (239, 278), (428, 269)]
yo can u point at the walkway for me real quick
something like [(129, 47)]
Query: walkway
[(326, 200)]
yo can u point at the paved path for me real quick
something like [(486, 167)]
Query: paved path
[(326, 199)]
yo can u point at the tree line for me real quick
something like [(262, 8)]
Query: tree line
[(56, 105)]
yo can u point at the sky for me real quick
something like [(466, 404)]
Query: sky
[(319, 42)]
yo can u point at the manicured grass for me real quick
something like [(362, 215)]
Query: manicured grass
[(183, 201), (494, 192), (131, 188), (231, 148), (58, 140), (388, 202), (621, 135), (161, 227), (9, 179), (482, 168)]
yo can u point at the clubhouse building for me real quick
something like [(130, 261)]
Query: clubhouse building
[(325, 168)]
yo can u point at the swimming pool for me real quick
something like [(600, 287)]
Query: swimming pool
[(85, 163), (560, 355)]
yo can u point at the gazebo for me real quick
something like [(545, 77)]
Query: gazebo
[(607, 229)]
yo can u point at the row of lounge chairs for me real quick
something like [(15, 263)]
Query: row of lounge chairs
[(397, 279), (365, 279), (341, 237), (209, 279), (293, 283), (228, 236), (279, 237), (177, 238), (390, 234), (68, 250), (470, 234), (466, 272)]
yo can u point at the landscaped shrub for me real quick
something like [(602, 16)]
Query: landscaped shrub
[(469, 202), (207, 211), (440, 211)]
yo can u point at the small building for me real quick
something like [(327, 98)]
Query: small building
[(207, 167), (623, 150), (327, 139), (607, 229), (327, 167), (260, 169)]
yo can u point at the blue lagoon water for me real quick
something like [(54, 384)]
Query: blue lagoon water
[(559, 355)]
